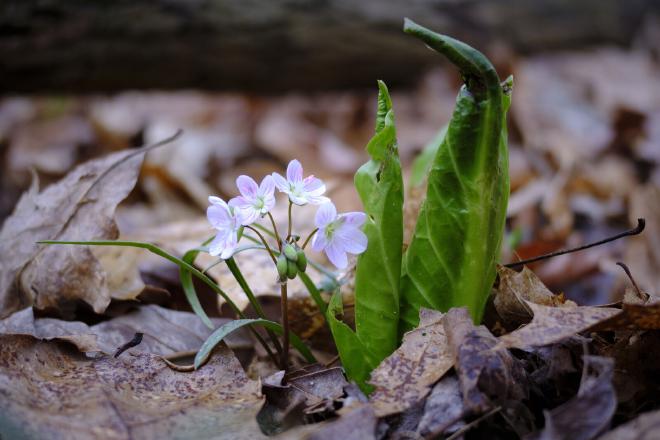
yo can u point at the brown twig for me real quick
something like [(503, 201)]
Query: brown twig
[(137, 339), (641, 223), (639, 292)]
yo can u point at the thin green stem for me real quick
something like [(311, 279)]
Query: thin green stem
[(310, 237), (277, 235), (288, 234), (265, 230), (161, 253), (285, 325), (263, 240), (236, 271)]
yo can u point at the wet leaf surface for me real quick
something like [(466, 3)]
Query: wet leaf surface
[(407, 375)]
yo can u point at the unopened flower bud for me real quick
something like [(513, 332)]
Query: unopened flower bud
[(282, 266), (290, 252), (301, 262), (292, 270)]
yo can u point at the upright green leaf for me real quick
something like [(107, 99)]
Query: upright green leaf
[(355, 357), (378, 273), (422, 164), (451, 258)]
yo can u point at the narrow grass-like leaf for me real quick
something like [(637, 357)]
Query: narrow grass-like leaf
[(355, 357), (222, 332), (378, 274), (451, 258), (185, 276)]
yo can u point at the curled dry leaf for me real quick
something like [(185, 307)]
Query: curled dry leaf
[(514, 288), (165, 331), (552, 324), (488, 375), (78, 207), (588, 413), (407, 375), (24, 323), (50, 391)]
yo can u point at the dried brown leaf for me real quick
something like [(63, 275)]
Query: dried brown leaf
[(487, 374), (588, 413), (52, 392), (644, 427), (165, 331), (514, 288), (407, 375), (552, 324), (78, 207)]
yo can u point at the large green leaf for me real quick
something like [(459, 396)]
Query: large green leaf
[(188, 286), (378, 273), (451, 258), (221, 332), (424, 161), (355, 357)]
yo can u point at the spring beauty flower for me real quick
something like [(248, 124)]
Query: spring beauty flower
[(254, 201), (227, 220), (339, 234), (300, 191)]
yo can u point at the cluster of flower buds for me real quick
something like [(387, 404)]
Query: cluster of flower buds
[(291, 261), (335, 234)]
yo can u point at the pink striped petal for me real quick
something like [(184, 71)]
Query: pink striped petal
[(326, 214), (247, 186), (294, 171)]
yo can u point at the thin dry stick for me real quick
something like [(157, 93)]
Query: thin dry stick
[(640, 294), (641, 223)]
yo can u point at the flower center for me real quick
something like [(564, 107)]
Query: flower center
[(331, 228), (259, 203)]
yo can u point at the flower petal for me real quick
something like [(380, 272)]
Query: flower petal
[(319, 242), (313, 186), (216, 201), (267, 186), (336, 255), (248, 216), (354, 219), (240, 202), (218, 244), (247, 186), (229, 246), (218, 216), (294, 171), (298, 200), (280, 182), (318, 200), (326, 214), (351, 239)]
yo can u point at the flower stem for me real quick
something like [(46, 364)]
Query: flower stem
[(288, 235), (277, 235), (311, 234), (263, 240), (285, 325), (238, 275)]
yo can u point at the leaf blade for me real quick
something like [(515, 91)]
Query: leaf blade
[(221, 332), (452, 256), (380, 186)]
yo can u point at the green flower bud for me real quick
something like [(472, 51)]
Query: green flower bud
[(282, 266), (301, 262), (290, 252), (292, 270)]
